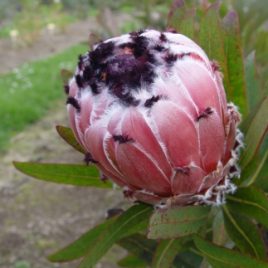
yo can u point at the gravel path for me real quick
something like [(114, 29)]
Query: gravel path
[(13, 54)]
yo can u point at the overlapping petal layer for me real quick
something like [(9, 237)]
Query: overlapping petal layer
[(150, 110)]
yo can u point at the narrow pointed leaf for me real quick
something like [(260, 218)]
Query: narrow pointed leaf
[(183, 20), (256, 133), (246, 121), (79, 247), (166, 253), (220, 257), (176, 14), (78, 175), (251, 202), (132, 221), (253, 84), (220, 236), (235, 63), (177, 222), (245, 234), (252, 171), (262, 179), (67, 134), (139, 246), (211, 40), (187, 26)]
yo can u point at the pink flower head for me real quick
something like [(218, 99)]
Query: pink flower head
[(150, 109)]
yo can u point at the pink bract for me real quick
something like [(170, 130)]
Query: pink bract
[(150, 109)]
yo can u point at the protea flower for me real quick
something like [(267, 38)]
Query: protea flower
[(150, 110)]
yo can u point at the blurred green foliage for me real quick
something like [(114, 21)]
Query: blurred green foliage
[(253, 16), (22, 264), (29, 91), (29, 17)]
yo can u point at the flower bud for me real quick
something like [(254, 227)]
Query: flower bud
[(150, 110)]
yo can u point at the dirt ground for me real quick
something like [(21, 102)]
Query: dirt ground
[(37, 218), (14, 52)]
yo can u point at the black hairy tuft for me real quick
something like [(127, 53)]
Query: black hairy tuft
[(66, 89), (237, 144), (126, 98), (79, 80), (106, 49), (208, 111), (122, 138), (150, 102), (88, 73), (171, 58), (89, 159), (80, 62), (150, 57), (129, 71), (233, 169), (95, 88), (182, 55), (101, 53), (74, 103), (163, 37), (140, 45), (136, 33), (130, 100), (148, 75), (159, 48)]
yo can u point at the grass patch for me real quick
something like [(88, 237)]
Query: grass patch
[(29, 91)]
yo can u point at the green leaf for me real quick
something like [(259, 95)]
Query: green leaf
[(187, 26), (221, 257), (262, 180), (140, 246), (66, 75), (176, 14), (253, 85), (166, 252), (236, 90), (131, 261), (67, 134), (187, 259), (256, 133), (211, 40), (78, 175), (251, 202), (220, 236), (244, 233), (177, 222), (252, 171), (183, 19), (79, 247), (132, 221)]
